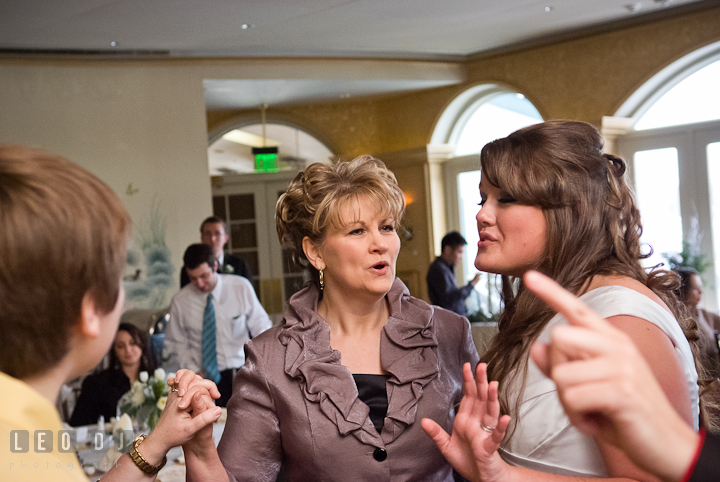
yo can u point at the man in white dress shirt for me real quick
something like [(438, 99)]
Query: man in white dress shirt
[(211, 319)]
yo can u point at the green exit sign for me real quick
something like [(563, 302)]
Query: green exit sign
[(265, 159)]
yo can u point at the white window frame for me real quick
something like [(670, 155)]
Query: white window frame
[(691, 142)]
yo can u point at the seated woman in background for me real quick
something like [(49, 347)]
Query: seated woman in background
[(690, 293), (337, 390), (129, 355), (553, 202)]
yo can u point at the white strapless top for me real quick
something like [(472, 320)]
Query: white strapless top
[(544, 439)]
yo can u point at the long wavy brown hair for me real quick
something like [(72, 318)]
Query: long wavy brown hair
[(593, 228)]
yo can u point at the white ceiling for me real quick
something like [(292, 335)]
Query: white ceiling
[(244, 93), (432, 30)]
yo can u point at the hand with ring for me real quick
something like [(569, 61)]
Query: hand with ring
[(486, 428), (197, 395), (177, 426), (477, 431)]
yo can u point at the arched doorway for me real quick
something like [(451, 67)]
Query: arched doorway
[(245, 198)]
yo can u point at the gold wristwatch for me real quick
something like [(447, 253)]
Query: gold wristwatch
[(140, 461)]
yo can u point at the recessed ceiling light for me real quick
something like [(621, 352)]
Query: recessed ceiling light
[(113, 44), (246, 26), (548, 9)]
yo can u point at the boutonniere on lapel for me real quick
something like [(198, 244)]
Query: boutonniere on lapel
[(228, 269)]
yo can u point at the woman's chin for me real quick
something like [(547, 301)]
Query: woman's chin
[(486, 267), (381, 287)]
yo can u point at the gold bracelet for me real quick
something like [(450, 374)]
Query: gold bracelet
[(140, 461)]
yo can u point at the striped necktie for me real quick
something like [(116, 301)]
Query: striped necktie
[(209, 349)]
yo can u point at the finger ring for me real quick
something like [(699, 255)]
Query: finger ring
[(174, 389), (486, 428)]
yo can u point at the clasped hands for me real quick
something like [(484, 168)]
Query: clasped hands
[(188, 415)]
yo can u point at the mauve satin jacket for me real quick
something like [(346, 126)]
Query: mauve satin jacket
[(295, 408)]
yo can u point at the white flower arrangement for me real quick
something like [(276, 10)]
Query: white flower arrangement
[(147, 397)]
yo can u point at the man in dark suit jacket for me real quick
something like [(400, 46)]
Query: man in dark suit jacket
[(214, 233), (440, 278)]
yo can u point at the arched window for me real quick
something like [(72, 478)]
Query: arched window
[(673, 148), (696, 98), (477, 116), (493, 117)]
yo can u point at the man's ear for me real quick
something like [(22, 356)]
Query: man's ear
[(89, 324), (313, 254), (215, 266)]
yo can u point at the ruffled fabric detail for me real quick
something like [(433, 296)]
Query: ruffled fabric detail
[(408, 353)]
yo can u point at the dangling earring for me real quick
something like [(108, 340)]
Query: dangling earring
[(322, 281)]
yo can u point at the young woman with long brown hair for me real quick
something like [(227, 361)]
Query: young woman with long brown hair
[(553, 202), (129, 355)]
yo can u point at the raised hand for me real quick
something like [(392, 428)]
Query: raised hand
[(477, 431)]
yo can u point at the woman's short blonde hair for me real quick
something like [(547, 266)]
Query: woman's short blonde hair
[(315, 199)]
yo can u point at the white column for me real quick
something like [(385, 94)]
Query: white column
[(437, 155), (612, 127)]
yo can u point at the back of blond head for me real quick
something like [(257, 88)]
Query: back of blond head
[(314, 200), (64, 235)]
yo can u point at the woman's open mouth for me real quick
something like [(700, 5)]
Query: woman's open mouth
[(381, 267)]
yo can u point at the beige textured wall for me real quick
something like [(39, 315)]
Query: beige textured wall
[(122, 121)]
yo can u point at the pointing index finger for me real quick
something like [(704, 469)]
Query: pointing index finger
[(564, 302)]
